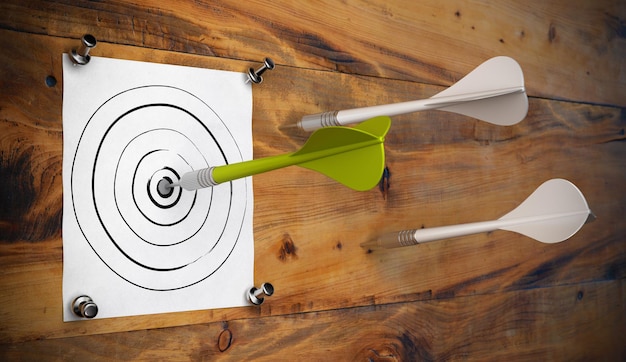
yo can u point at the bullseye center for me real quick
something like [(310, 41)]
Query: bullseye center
[(164, 187)]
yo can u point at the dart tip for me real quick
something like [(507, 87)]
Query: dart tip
[(289, 126), (370, 245)]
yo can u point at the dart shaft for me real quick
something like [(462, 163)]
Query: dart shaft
[(419, 236), (215, 175), (349, 116)]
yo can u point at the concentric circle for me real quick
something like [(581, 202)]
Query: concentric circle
[(155, 237)]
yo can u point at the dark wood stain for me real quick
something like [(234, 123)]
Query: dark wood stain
[(551, 33), (287, 249), (414, 348), (18, 193), (616, 270), (545, 271), (453, 290), (616, 26), (385, 183)]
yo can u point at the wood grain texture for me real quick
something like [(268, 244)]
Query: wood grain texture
[(444, 168), (426, 41), (574, 322)]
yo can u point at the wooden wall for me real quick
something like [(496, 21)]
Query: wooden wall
[(493, 296)]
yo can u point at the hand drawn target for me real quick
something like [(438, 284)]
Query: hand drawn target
[(129, 243), (137, 229)]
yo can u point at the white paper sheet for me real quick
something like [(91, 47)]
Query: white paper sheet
[(126, 126)]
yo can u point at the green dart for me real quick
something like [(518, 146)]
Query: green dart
[(353, 156)]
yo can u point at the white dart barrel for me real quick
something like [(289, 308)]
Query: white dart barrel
[(197, 179), (315, 121)]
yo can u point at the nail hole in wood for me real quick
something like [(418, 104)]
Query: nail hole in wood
[(51, 81)]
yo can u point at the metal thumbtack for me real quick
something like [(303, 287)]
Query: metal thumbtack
[(257, 296), (84, 307), (255, 76), (81, 56)]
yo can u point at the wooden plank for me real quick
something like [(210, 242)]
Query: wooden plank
[(445, 169), (568, 50), (573, 322)]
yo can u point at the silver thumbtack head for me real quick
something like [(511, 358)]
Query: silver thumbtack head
[(81, 56), (255, 76), (84, 307), (257, 296)]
